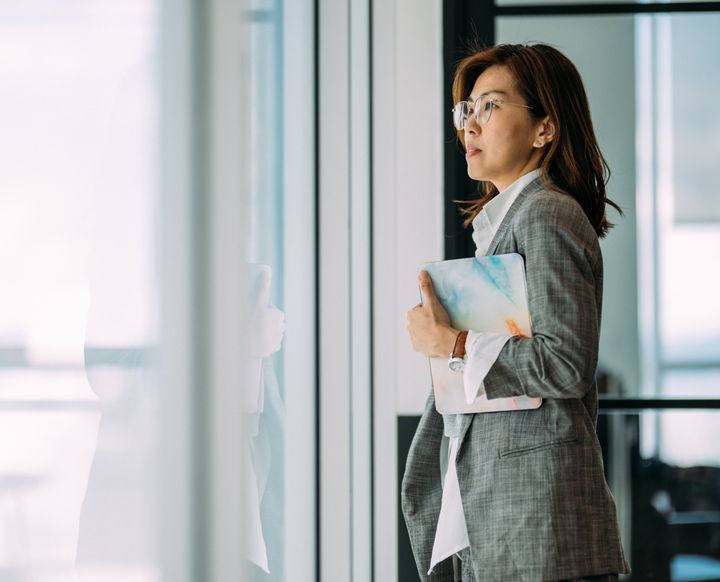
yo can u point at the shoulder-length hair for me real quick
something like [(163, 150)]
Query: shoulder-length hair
[(551, 86)]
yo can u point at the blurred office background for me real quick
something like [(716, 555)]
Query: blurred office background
[(212, 216)]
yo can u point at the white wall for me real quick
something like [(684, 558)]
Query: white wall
[(408, 184), (408, 227)]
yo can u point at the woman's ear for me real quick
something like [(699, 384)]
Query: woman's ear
[(545, 133)]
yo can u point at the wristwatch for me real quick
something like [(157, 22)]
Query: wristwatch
[(456, 362)]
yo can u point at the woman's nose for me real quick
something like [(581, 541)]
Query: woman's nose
[(471, 125)]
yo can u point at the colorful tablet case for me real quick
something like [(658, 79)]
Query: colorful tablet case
[(485, 294)]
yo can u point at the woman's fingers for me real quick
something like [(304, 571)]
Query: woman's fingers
[(410, 312), (436, 310), (426, 287)]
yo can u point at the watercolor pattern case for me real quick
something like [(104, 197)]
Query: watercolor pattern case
[(481, 294)]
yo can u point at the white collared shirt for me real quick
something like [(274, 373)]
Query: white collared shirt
[(482, 349)]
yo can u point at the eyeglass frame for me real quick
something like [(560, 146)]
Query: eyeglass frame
[(493, 101)]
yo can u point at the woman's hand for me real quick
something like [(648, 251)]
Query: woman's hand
[(267, 328), (429, 324), (267, 322)]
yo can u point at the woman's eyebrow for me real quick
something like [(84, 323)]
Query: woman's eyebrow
[(473, 99)]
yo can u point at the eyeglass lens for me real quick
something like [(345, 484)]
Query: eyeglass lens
[(482, 109)]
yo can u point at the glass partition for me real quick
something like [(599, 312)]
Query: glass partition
[(280, 243), (78, 323), (652, 83), (83, 414), (667, 491)]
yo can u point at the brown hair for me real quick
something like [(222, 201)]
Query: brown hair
[(550, 85)]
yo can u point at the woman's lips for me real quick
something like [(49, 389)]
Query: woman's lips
[(471, 152)]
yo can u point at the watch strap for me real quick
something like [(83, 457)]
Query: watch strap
[(459, 347)]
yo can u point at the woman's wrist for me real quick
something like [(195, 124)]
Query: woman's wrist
[(450, 335)]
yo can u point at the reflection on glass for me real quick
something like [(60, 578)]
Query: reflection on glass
[(668, 495), (263, 407), (44, 464), (265, 392), (280, 245), (77, 320)]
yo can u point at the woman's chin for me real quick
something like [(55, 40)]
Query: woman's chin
[(475, 175), (476, 171)]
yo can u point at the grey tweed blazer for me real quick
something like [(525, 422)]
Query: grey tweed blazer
[(535, 498)]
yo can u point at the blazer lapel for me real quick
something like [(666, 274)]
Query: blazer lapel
[(532, 187)]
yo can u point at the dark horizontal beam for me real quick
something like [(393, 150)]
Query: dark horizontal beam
[(606, 9), (626, 404)]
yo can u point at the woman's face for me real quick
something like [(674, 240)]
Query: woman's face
[(510, 144)]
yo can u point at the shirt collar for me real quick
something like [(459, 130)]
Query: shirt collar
[(497, 208)]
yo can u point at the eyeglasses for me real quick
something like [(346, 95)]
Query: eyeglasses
[(482, 110)]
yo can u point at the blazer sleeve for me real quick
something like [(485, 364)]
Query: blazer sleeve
[(563, 267)]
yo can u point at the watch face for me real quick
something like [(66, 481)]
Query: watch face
[(456, 364)]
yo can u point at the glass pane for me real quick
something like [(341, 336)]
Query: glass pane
[(696, 120), (266, 471), (281, 415), (688, 290), (78, 320), (697, 382), (689, 208), (662, 71), (664, 471), (602, 49)]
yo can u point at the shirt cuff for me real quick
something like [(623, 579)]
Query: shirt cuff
[(482, 349)]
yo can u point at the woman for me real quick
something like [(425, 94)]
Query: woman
[(523, 497)]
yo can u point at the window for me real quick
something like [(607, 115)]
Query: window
[(116, 159), (281, 244), (78, 324)]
